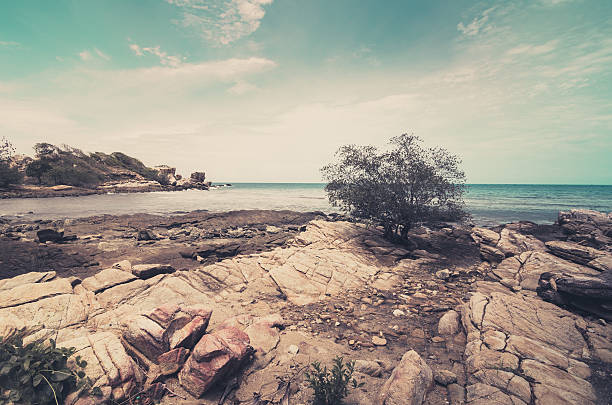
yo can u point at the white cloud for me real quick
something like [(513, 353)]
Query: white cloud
[(85, 55), (478, 24), (222, 22), (9, 44), (164, 58), (534, 49), (101, 54)]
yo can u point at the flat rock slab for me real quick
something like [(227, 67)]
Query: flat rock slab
[(517, 344), (106, 279)]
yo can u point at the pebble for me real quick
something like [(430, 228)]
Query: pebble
[(398, 312), (379, 341), (418, 333), (293, 349)]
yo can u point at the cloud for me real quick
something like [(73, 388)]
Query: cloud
[(85, 55), (478, 24), (9, 44), (164, 58), (534, 49), (222, 22), (101, 54)]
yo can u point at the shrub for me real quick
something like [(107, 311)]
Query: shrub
[(39, 373), (9, 174), (397, 188), (331, 387)]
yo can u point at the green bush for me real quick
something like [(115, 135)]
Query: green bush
[(39, 373), (331, 387), (9, 175)]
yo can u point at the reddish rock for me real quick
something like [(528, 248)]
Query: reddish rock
[(172, 361), (165, 328), (216, 355)]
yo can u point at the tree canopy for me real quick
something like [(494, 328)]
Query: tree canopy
[(399, 187), (9, 174)]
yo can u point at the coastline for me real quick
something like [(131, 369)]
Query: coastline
[(307, 286)]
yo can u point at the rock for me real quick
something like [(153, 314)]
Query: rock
[(491, 254), (172, 361), (456, 394), (574, 252), (216, 356), (369, 367), (449, 323), (32, 292), (106, 279), (146, 235), (198, 177), (588, 293), (398, 312), (443, 274), (166, 327), (293, 349), (145, 271), (124, 265), (379, 341), (27, 278), (409, 382), (486, 236), (444, 377), (49, 235), (418, 333)]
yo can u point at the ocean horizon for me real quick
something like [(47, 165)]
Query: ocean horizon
[(489, 204)]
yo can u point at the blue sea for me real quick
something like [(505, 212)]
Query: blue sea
[(489, 204)]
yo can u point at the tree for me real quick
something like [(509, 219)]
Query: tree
[(9, 174), (38, 168), (399, 187)]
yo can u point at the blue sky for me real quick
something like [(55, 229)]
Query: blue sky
[(267, 90)]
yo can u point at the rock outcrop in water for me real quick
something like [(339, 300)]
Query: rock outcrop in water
[(244, 327)]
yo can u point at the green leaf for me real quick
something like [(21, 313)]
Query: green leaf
[(37, 380)]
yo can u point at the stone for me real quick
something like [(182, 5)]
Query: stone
[(398, 313), (444, 377), (49, 235), (145, 271), (456, 394), (443, 274), (484, 235), (171, 362), (32, 292), (146, 235), (293, 349), (449, 323), (418, 333), (369, 367), (27, 278), (491, 254), (215, 356), (124, 265), (409, 382), (106, 279), (379, 341), (573, 251), (554, 377), (164, 328), (496, 340)]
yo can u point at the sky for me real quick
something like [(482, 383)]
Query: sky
[(267, 90)]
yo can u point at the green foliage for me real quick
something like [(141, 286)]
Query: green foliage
[(71, 166), (399, 187), (331, 386), (39, 373), (8, 174), (38, 168)]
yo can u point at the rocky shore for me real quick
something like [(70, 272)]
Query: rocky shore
[(231, 308)]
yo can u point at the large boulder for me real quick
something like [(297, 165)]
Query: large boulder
[(409, 382), (166, 328), (216, 355)]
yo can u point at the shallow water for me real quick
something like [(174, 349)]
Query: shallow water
[(489, 204)]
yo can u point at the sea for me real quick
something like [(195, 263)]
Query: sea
[(489, 204)]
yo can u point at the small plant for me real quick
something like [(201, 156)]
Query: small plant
[(39, 374), (331, 387)]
